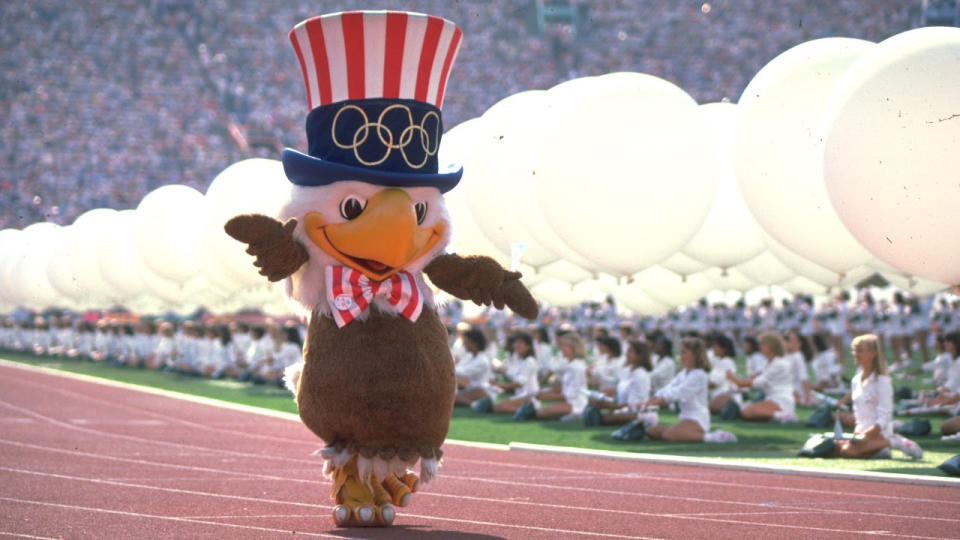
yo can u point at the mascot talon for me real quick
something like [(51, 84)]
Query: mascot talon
[(363, 226), (412, 481), (399, 491)]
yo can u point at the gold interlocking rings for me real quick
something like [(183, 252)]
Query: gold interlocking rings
[(429, 142)]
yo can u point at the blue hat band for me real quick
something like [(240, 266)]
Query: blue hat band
[(389, 135)]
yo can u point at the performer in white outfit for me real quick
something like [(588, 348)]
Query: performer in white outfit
[(689, 390), (872, 395), (721, 389), (570, 398), (633, 388), (776, 380), (474, 370), (521, 370)]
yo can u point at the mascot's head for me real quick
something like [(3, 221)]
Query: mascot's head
[(368, 193)]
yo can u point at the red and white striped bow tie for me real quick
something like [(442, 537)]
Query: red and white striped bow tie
[(349, 293)]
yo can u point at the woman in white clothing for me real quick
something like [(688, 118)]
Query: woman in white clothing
[(826, 369), (633, 388), (776, 380), (798, 353), (569, 400), (872, 396), (689, 390), (722, 391), (521, 371), (755, 360), (664, 367), (604, 371), (474, 370)]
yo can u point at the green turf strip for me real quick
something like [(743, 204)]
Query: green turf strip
[(769, 443)]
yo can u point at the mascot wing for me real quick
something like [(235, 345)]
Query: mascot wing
[(482, 280), (277, 252)]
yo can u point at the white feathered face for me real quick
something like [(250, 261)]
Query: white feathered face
[(375, 230)]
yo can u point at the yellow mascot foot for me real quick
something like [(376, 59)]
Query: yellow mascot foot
[(358, 505), (398, 490)]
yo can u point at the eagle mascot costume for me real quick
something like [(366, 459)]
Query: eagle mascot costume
[(364, 222)]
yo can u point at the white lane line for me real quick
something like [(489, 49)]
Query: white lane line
[(152, 442), (274, 501), (163, 518), (676, 479), (23, 535), (117, 405), (472, 498), (851, 532)]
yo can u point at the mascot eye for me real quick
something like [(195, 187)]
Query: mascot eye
[(421, 208), (351, 207)]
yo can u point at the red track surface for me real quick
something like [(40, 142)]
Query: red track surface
[(80, 460)]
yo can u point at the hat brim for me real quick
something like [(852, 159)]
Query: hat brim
[(306, 170)]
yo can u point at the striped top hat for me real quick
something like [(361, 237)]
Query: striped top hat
[(375, 83)]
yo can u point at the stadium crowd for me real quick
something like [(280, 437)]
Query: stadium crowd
[(103, 102)]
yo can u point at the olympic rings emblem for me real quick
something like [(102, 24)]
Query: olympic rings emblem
[(429, 142)]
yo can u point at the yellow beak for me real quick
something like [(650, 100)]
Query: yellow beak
[(379, 242)]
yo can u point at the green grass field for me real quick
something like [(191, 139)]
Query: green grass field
[(772, 444)]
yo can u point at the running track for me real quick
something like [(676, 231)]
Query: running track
[(80, 459)]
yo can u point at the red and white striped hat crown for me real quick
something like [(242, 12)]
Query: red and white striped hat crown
[(375, 54)]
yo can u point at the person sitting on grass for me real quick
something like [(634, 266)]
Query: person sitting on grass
[(604, 372), (799, 352), (754, 359), (568, 397), (826, 369), (946, 399), (871, 392), (633, 388), (688, 389), (521, 377), (664, 367), (473, 369), (776, 380), (722, 391)]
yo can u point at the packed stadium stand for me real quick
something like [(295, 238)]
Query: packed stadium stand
[(102, 102)]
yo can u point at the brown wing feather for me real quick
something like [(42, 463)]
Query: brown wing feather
[(482, 280), (277, 252)]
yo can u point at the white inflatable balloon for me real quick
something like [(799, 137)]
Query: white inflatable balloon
[(766, 269), (671, 289), (801, 265), (567, 272), (251, 186), (489, 178), (75, 267), (729, 279), (778, 149), (119, 259), (558, 293), (31, 286), (466, 238), (626, 175), (634, 298), (730, 234), (801, 284), (522, 165), (683, 264), (891, 156), (170, 221)]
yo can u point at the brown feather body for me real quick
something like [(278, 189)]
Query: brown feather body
[(384, 386)]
